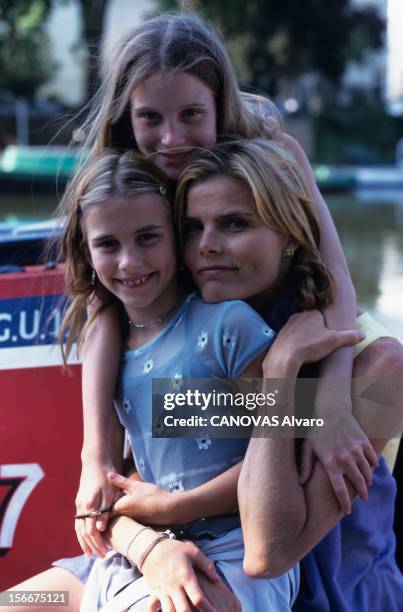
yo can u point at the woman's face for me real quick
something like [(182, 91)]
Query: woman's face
[(171, 114), (131, 247), (228, 250)]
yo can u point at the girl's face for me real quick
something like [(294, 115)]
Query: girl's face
[(228, 250), (171, 114), (131, 247)]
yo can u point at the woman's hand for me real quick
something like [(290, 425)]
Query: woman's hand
[(170, 573), (306, 339), (145, 502), (347, 454), (95, 492)]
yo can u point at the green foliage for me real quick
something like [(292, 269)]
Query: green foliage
[(359, 133), (284, 38), (24, 46)]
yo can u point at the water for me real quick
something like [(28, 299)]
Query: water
[(370, 226), (371, 231)]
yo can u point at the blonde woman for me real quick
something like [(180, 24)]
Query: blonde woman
[(258, 239)]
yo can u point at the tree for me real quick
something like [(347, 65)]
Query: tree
[(281, 39), (93, 16), (24, 46), (25, 54)]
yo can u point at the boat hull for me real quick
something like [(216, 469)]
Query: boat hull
[(40, 428)]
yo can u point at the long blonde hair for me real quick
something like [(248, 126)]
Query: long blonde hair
[(109, 175), (282, 201), (175, 42), (164, 44)]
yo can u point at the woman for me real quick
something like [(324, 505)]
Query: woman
[(245, 245)]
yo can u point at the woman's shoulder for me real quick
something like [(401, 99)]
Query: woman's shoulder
[(228, 314), (220, 308)]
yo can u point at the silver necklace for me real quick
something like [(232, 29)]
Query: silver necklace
[(153, 321)]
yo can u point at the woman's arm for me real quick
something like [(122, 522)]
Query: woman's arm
[(350, 445), (102, 447), (285, 520)]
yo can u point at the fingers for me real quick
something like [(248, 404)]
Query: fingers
[(348, 337), (203, 564), (81, 540), (102, 521), (340, 490), (357, 480), (366, 470), (166, 605), (371, 455), (356, 468), (89, 529), (119, 481), (197, 597), (181, 602), (93, 539), (154, 604)]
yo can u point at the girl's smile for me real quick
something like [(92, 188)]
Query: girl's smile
[(173, 113), (131, 247)]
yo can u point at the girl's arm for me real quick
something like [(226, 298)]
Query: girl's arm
[(170, 568), (342, 313), (285, 520), (350, 445), (101, 451), (152, 504)]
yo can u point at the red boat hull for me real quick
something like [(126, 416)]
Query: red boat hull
[(40, 428)]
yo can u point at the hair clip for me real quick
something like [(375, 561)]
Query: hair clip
[(162, 190)]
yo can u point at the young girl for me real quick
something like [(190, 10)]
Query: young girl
[(171, 89), (119, 242)]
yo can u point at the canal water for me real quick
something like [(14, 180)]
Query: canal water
[(370, 226)]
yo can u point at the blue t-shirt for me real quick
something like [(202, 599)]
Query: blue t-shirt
[(200, 341)]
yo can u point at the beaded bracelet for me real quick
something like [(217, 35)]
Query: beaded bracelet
[(149, 548), (133, 539)]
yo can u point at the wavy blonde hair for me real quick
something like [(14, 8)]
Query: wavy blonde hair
[(109, 175), (282, 201)]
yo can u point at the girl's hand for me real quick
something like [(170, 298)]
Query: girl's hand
[(306, 339), (95, 492), (145, 502), (170, 573), (217, 594), (348, 454)]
